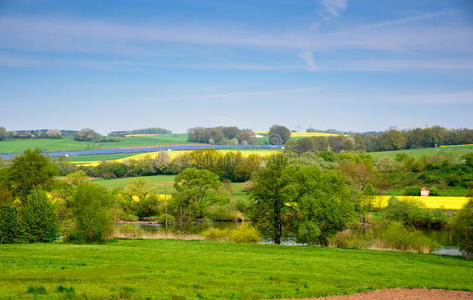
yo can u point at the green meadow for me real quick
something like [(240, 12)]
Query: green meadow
[(175, 269), (67, 143), (455, 151), (156, 183)]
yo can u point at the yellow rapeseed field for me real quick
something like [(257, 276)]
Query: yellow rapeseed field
[(307, 134), (174, 154), (428, 202), (456, 145)]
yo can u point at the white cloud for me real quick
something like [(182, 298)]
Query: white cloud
[(148, 46), (453, 97), (308, 59), (240, 95), (93, 36), (333, 7)]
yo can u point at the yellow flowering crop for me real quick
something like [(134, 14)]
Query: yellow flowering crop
[(456, 145), (309, 134), (428, 202)]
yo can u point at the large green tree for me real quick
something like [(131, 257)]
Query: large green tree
[(321, 200), (92, 214), (390, 140), (269, 212), (279, 135), (29, 171), (192, 186)]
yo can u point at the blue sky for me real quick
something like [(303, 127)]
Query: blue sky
[(350, 65)]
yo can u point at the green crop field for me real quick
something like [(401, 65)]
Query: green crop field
[(67, 143), (173, 269), (159, 182), (449, 191), (455, 151), (156, 183)]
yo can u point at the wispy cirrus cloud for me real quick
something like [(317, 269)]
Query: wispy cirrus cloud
[(142, 46), (97, 36), (333, 7), (239, 95), (308, 59), (453, 97)]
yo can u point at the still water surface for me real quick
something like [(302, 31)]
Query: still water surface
[(442, 237)]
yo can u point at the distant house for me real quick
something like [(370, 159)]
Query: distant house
[(424, 192)]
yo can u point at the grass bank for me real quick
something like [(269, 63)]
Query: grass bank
[(200, 269)]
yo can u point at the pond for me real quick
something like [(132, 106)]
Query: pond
[(442, 237)]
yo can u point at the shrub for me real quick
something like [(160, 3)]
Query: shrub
[(64, 289), (453, 180), (245, 234), (216, 234), (37, 290), (397, 236), (433, 191), (410, 213), (223, 212), (148, 206), (412, 191), (462, 229), (162, 219), (352, 238), (39, 219), (246, 186), (93, 222), (131, 231), (9, 227), (384, 235)]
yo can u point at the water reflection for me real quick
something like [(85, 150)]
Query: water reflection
[(192, 228), (442, 237)]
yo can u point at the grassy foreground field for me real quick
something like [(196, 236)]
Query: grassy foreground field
[(67, 143), (172, 269)]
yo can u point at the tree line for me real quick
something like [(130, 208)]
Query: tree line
[(389, 140), (435, 136), (154, 130), (34, 134), (221, 135)]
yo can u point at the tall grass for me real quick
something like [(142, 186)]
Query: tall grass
[(384, 235), (244, 234)]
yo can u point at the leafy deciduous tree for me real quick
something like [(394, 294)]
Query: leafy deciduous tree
[(29, 171), (192, 186), (92, 216), (38, 218)]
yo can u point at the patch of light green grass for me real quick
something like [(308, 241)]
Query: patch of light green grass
[(165, 269)]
